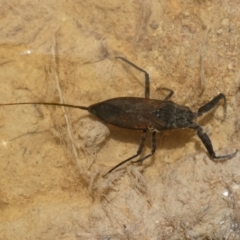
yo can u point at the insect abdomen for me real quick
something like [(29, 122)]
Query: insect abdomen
[(122, 112)]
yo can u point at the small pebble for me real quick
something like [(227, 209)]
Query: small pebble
[(154, 25), (219, 31), (225, 22), (230, 66)]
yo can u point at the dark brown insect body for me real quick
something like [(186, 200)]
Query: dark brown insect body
[(143, 114), (149, 115)]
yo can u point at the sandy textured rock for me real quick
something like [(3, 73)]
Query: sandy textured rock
[(52, 159)]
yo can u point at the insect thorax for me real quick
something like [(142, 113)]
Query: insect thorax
[(172, 115)]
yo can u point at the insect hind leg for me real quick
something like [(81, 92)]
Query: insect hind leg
[(147, 78), (139, 151), (152, 151)]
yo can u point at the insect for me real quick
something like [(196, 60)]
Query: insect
[(148, 115)]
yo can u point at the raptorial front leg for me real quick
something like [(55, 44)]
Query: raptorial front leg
[(208, 145), (140, 148), (147, 80), (210, 105)]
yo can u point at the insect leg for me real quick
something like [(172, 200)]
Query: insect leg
[(147, 80), (210, 105), (152, 151), (208, 144), (171, 92), (140, 148)]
